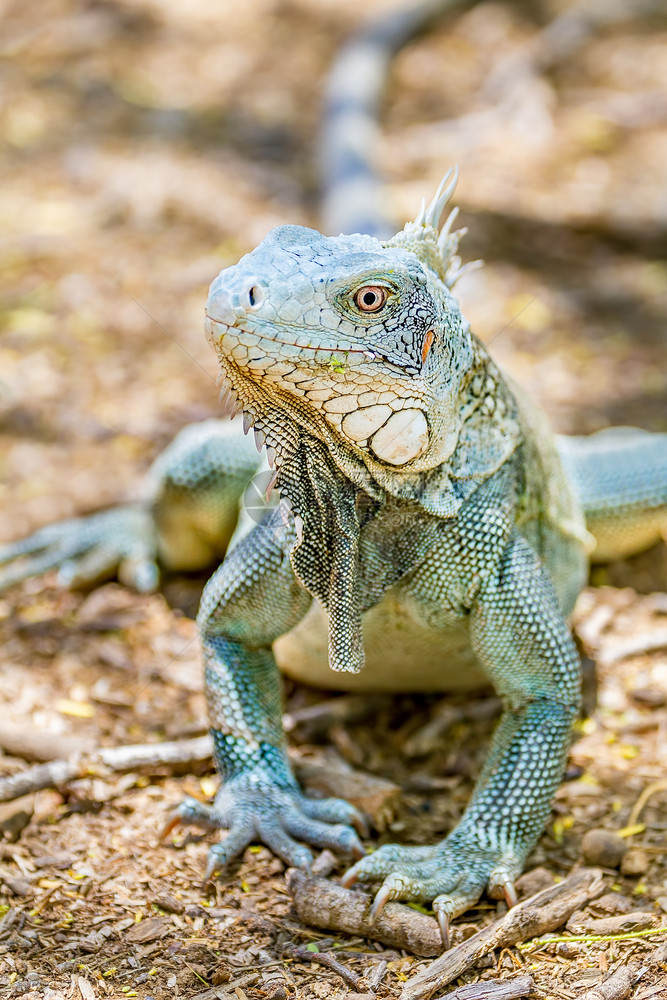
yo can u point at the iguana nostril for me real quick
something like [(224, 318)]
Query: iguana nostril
[(255, 296)]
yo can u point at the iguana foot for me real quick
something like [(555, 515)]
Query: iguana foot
[(86, 550), (253, 809), (453, 874)]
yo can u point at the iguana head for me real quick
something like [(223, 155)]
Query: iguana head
[(359, 342)]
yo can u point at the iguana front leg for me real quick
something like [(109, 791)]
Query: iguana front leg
[(251, 600), (521, 638)]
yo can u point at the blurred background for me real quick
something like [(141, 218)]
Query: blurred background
[(145, 144), (148, 143)]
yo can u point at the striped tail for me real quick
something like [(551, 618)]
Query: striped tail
[(351, 197)]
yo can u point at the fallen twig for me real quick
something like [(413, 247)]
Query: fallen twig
[(377, 974), (312, 720), (505, 989), (649, 791), (637, 645), (54, 774), (581, 923), (325, 904), (32, 743), (349, 977), (546, 911), (374, 796), (445, 716)]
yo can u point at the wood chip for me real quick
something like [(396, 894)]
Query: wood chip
[(169, 904), (86, 988), (151, 929), (18, 885), (505, 989), (617, 987)]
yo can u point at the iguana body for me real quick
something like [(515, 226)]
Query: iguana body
[(432, 533), (430, 524), (428, 537)]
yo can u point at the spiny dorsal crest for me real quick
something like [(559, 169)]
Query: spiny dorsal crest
[(438, 249)]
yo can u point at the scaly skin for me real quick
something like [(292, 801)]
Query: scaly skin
[(425, 509), (414, 478)]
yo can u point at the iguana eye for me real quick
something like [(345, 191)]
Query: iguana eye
[(370, 298)]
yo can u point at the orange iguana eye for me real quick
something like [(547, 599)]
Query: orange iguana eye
[(370, 298)]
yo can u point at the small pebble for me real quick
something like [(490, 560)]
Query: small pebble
[(602, 847), (635, 862), (276, 991)]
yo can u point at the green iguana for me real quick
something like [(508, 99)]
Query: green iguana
[(431, 532)]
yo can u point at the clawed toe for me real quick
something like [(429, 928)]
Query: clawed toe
[(452, 877), (382, 897), (212, 865), (509, 892), (360, 824), (189, 811), (349, 877), (443, 923), (169, 827)]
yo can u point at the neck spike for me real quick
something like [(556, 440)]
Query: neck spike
[(421, 237)]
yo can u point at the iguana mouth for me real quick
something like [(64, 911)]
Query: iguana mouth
[(364, 353)]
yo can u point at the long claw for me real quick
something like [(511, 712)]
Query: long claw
[(358, 851), (171, 824), (349, 877), (443, 924), (360, 825), (382, 897), (509, 892)]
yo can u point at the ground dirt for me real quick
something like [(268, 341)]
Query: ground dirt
[(146, 145)]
